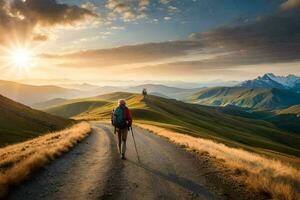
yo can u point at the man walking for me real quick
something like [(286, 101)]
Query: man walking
[(122, 121)]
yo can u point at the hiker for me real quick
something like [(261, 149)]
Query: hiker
[(122, 121)]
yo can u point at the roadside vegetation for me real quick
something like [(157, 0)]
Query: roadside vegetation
[(273, 178), (19, 161)]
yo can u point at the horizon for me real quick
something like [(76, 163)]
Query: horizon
[(148, 40), (69, 83)]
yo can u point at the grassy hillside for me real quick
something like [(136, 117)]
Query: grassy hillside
[(200, 121), (287, 121), (257, 98), (19, 122), (291, 110), (72, 109), (159, 95), (50, 103), (75, 107), (29, 94)]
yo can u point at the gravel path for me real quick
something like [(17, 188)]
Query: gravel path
[(93, 170)]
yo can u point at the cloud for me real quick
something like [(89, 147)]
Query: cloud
[(164, 1), (127, 10), (117, 28), (268, 40), (199, 71), (40, 37), (49, 12), (20, 18), (290, 4), (172, 9), (127, 54), (272, 38)]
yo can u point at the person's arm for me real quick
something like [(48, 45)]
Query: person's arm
[(128, 117)]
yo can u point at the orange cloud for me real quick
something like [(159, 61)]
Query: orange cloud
[(19, 18)]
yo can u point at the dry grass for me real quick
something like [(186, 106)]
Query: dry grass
[(17, 162), (264, 175)]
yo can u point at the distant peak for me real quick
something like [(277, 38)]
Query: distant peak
[(269, 75)]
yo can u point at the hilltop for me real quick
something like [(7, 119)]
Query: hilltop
[(19, 122)]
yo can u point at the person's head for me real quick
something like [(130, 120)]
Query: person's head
[(122, 102)]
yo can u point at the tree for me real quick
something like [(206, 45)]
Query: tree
[(144, 92)]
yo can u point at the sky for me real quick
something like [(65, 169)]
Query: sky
[(101, 41)]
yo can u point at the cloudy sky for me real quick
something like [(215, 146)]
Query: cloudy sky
[(159, 40)]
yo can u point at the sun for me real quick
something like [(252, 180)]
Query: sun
[(21, 58)]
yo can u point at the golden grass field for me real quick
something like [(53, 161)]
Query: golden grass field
[(262, 174), (19, 161)]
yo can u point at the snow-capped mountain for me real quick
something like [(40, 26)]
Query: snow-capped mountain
[(290, 82)]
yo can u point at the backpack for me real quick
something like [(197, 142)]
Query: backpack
[(118, 117)]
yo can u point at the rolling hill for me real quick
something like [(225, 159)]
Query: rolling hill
[(19, 122), (29, 94), (254, 98), (285, 119), (46, 104), (199, 121), (71, 109)]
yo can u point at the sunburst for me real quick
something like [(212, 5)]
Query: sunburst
[(21, 57)]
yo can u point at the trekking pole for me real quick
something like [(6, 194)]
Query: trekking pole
[(135, 146)]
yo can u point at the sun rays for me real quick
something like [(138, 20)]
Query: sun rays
[(18, 58), (21, 58)]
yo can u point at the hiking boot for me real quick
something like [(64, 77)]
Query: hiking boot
[(123, 157)]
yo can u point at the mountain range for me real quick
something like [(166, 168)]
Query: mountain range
[(290, 82), (263, 93), (30, 94)]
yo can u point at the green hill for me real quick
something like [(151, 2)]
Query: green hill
[(199, 121), (48, 104), (286, 120), (75, 107), (72, 109), (19, 122), (257, 98)]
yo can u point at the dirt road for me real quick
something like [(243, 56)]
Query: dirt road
[(93, 170)]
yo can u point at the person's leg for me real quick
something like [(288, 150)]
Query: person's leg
[(124, 138), (119, 140)]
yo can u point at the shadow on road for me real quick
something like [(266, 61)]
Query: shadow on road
[(183, 182)]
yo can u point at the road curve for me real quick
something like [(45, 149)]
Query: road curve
[(93, 170)]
